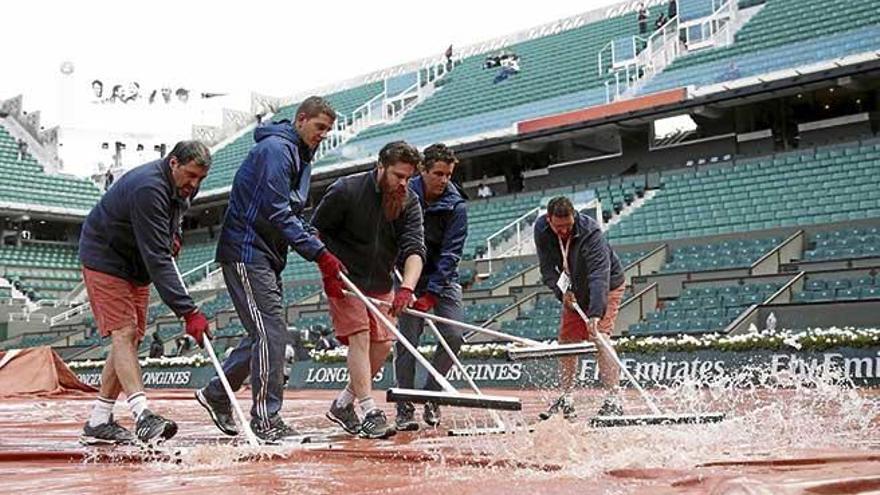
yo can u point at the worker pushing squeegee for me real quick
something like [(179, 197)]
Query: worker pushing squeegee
[(369, 221), (581, 269), (578, 264)]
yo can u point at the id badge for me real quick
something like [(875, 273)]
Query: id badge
[(564, 282)]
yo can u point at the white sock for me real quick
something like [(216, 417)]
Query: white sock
[(101, 412), (367, 404), (345, 398), (137, 403)]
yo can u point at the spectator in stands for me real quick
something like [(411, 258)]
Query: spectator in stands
[(326, 340), (492, 61), (509, 67), (124, 245), (98, 89), (300, 352), (579, 266), (166, 95), (372, 221), (448, 55), (157, 348), (263, 222), (132, 93), (182, 95), (484, 191), (660, 22), (108, 179), (673, 9), (498, 59), (643, 19), (22, 149), (444, 211), (116, 94)]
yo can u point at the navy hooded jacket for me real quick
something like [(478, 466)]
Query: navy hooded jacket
[(595, 268), (445, 223), (269, 193), (129, 233)]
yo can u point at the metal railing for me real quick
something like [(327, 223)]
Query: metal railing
[(27, 317), (511, 234), (651, 56), (382, 108), (198, 273), (190, 277), (70, 313), (715, 29)]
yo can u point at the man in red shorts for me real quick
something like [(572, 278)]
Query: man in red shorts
[(579, 266), (129, 239), (369, 221)]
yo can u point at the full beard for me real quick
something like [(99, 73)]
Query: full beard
[(393, 201)]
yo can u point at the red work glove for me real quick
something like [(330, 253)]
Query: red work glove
[(197, 326), (331, 267), (402, 300), (425, 303)]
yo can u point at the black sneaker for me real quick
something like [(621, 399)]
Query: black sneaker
[(563, 404), (109, 433), (221, 414), (611, 407), (345, 417), (375, 426), (151, 426), (406, 420), (432, 414), (275, 432)]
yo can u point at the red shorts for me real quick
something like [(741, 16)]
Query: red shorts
[(573, 328), (350, 316), (116, 303)]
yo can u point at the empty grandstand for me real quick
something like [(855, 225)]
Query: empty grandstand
[(767, 198)]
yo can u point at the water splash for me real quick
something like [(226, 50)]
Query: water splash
[(770, 415)]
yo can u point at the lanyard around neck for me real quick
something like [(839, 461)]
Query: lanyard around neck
[(564, 251)]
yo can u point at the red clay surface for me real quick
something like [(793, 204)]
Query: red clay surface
[(816, 441)]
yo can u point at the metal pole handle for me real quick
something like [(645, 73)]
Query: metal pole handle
[(603, 341), (245, 426), (391, 328), (455, 360)]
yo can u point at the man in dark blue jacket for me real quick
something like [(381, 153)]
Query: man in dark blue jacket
[(129, 239), (579, 266), (371, 220), (444, 209), (263, 221)]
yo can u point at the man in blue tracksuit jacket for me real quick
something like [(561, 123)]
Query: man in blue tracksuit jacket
[(445, 222), (263, 221)]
